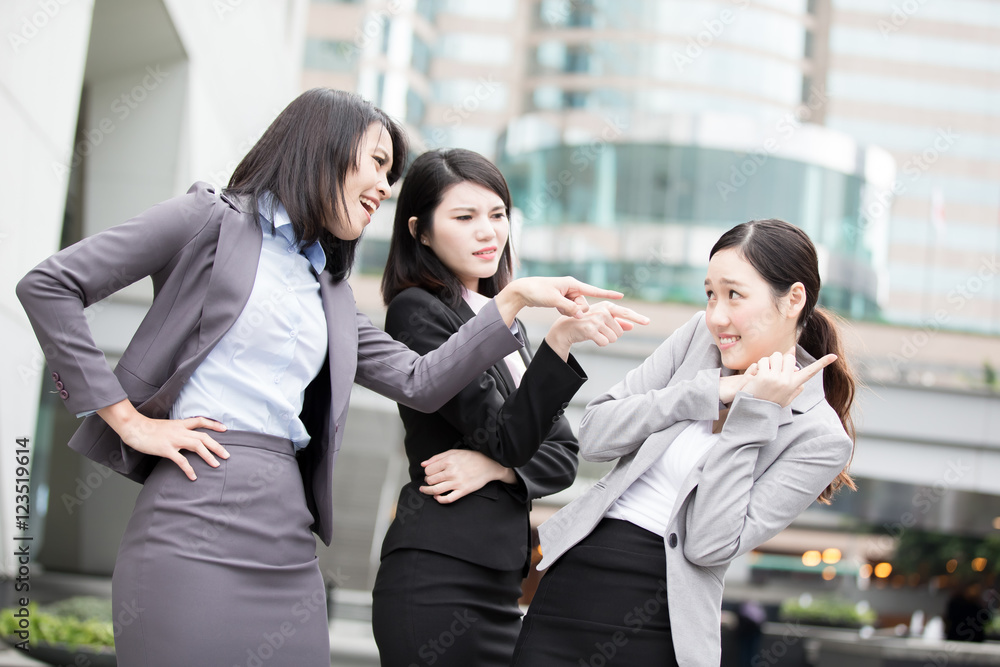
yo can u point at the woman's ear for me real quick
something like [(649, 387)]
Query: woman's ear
[(412, 224), (796, 300)]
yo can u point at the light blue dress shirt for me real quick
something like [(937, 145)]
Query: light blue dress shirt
[(255, 378)]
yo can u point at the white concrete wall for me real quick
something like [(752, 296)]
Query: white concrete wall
[(202, 106), (43, 49)]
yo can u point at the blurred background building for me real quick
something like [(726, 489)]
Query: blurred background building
[(632, 134)]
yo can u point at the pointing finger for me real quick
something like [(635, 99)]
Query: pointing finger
[(623, 313), (815, 367)]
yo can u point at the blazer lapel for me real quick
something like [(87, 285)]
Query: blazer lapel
[(342, 325), (464, 312), (234, 270)]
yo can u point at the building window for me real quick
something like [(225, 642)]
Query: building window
[(329, 54), (414, 108), (427, 9), (421, 58)]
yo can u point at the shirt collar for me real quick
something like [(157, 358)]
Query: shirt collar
[(282, 224)]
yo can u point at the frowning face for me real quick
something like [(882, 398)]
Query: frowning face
[(469, 232)]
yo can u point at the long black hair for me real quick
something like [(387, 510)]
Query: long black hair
[(784, 255), (303, 158), (412, 264)]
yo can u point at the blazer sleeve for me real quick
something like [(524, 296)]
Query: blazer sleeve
[(424, 381), (508, 431), (55, 293), (617, 422), (552, 468), (730, 513)]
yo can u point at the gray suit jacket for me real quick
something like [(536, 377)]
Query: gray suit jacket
[(769, 465), (201, 251)]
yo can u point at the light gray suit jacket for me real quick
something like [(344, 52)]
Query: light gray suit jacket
[(201, 251), (769, 465)]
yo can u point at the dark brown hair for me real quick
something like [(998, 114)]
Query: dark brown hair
[(412, 264), (784, 255), (303, 158)]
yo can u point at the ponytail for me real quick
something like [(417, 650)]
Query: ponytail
[(820, 336)]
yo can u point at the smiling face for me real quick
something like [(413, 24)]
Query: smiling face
[(469, 232), (366, 186), (745, 319)]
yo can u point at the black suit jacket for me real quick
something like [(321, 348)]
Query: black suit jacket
[(520, 427)]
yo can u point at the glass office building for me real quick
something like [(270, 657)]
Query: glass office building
[(641, 214)]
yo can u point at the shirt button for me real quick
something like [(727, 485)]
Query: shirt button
[(293, 333), (672, 540), (288, 288), (277, 379), (291, 250)]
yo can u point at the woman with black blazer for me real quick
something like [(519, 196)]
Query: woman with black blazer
[(455, 554), (229, 402)]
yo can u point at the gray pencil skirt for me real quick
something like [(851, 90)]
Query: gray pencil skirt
[(222, 571)]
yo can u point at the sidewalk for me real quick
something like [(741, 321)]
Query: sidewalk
[(351, 645), (351, 641)]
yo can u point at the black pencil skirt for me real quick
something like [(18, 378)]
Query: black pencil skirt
[(432, 609), (222, 571), (604, 602)]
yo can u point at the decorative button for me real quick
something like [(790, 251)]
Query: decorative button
[(64, 394), (55, 376), (60, 385), (672, 540)]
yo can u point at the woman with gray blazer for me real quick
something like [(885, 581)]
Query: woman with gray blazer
[(229, 403), (723, 436)]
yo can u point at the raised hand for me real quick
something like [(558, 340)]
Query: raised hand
[(567, 295), (603, 323), (729, 385), (775, 378), (165, 437), (456, 473)]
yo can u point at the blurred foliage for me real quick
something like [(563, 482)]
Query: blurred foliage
[(989, 375), (827, 611), (927, 554), (75, 622)]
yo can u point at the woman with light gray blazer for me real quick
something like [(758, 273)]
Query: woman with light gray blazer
[(723, 436)]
